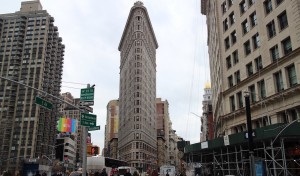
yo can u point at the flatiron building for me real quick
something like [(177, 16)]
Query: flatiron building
[(137, 140)]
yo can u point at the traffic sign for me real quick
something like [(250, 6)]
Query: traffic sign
[(88, 120), (86, 103), (43, 103), (94, 128), (87, 94)]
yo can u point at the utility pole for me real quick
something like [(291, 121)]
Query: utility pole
[(84, 157), (87, 98), (250, 131)]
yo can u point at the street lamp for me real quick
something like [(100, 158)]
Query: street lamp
[(250, 131), (53, 148)]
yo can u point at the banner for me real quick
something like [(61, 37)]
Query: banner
[(67, 125)]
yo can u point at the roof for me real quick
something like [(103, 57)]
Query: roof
[(137, 5)]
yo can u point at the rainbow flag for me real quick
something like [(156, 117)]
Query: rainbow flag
[(66, 125)]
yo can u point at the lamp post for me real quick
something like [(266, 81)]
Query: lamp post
[(250, 131), (53, 148)]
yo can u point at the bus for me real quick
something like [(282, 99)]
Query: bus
[(167, 169), (97, 163), (122, 170)]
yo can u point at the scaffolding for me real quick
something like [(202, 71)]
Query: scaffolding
[(273, 157)]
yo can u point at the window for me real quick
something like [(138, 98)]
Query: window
[(240, 99), (279, 2), (278, 81), (237, 76), (230, 2), (256, 41), (252, 93), (293, 114), (243, 6), (245, 26), (231, 18), (287, 46), (261, 89), (251, 2), (233, 37), (224, 8), (253, 19), (138, 79), (232, 103), (227, 43), (274, 53), (268, 6), (271, 29), (230, 81), (292, 77), (228, 62), (235, 57), (247, 48), (249, 68), (282, 20), (225, 24), (258, 63)]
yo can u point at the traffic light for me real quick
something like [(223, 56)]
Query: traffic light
[(94, 151)]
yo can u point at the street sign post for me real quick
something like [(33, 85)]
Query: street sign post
[(87, 94), (43, 103), (94, 128), (88, 120)]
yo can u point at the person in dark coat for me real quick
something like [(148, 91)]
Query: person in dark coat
[(127, 173), (37, 173), (103, 173)]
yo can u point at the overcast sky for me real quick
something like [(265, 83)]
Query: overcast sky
[(91, 31)]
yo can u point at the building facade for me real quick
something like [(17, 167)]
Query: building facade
[(31, 53), (66, 151), (71, 112), (258, 52), (207, 124), (111, 129), (254, 52), (137, 141), (163, 130)]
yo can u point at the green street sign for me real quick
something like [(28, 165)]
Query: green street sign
[(43, 103), (87, 94), (94, 128), (88, 120)]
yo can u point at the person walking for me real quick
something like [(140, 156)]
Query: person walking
[(135, 173), (37, 173), (103, 173), (128, 173)]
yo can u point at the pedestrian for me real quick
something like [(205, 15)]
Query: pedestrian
[(96, 173), (167, 173), (128, 173), (37, 173), (103, 173), (135, 173), (154, 173)]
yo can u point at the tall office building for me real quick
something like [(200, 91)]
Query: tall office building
[(137, 124), (111, 130), (254, 47), (31, 53), (254, 51)]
